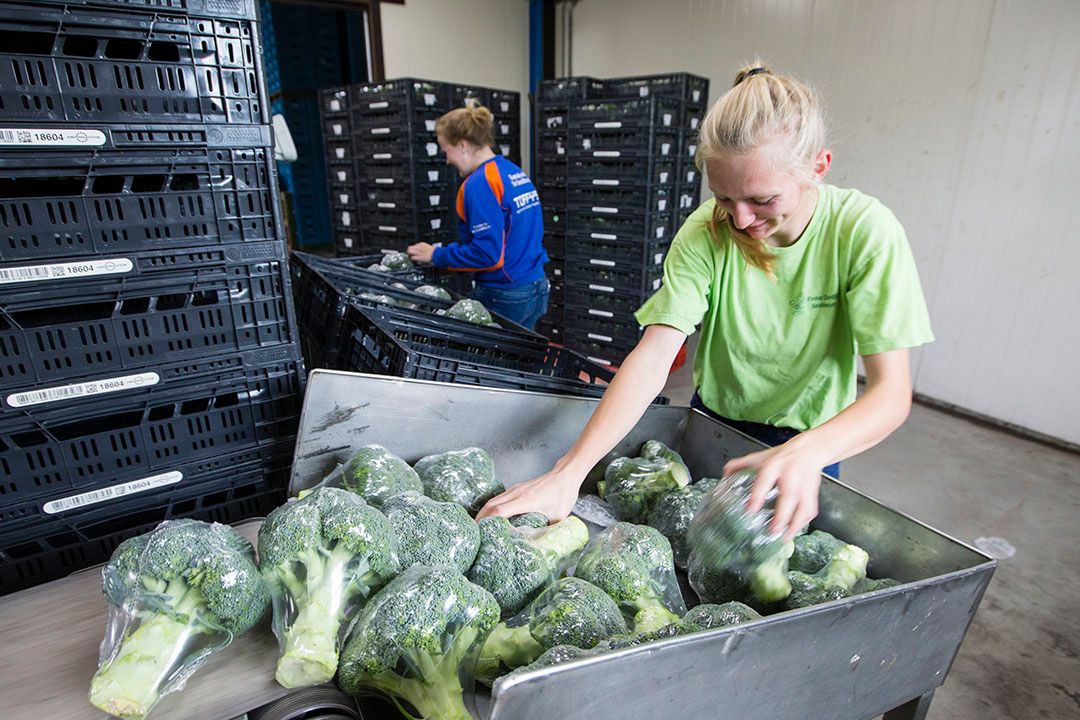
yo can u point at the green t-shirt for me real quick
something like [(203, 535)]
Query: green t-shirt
[(783, 352)]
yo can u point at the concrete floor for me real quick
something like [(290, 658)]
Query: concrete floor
[(1021, 657)]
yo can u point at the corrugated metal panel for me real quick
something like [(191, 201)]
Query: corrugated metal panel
[(963, 118)]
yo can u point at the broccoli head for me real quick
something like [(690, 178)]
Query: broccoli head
[(708, 615), (656, 450), (530, 519), (466, 477), (432, 291), (765, 585), (674, 512), (632, 486), (633, 564), (376, 474), (869, 585), (558, 655), (192, 587), (834, 581), (515, 564), (396, 261), (430, 532), (570, 611), (411, 641), (472, 311), (813, 551), (322, 557)]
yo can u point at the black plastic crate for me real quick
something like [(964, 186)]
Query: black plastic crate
[(79, 541), (680, 86), (396, 175), (626, 143), (239, 9), (423, 92), (385, 344), (349, 242), (605, 115), (687, 148), (555, 270), (604, 354), (34, 139), (688, 198), (616, 279), (75, 203), (346, 216), (616, 329), (552, 146), (555, 245), (570, 88), (692, 117), (80, 64), (417, 219), (461, 94), (505, 103), (412, 195), (552, 193), (409, 125), (552, 118), (622, 172), (507, 127), (621, 200), (334, 102), (607, 226), (603, 304), (117, 322), (82, 449), (606, 253)]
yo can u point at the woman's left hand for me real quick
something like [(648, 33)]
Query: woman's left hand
[(420, 252), (795, 470)]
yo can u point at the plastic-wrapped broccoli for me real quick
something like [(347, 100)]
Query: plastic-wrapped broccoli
[(868, 585), (813, 551), (763, 588), (322, 556), (379, 298), (708, 615), (376, 267), (724, 539), (516, 563), (633, 564), (430, 532), (470, 311), (674, 512), (433, 292), (396, 261), (633, 486), (415, 637), (570, 611), (845, 568), (373, 473), (176, 595), (466, 477), (530, 519)]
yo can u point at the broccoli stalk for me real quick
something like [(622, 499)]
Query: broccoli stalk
[(836, 580), (507, 646), (769, 579)]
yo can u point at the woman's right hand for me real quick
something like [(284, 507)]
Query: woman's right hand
[(553, 494)]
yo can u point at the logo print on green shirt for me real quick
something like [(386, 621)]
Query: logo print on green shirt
[(801, 302)]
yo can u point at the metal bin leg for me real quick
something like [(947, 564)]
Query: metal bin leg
[(912, 710)]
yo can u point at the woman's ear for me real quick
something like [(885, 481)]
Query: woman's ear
[(822, 163)]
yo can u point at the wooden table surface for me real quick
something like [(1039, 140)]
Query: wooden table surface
[(49, 639)]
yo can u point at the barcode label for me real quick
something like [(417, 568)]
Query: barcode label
[(659, 232), (504, 106), (603, 236), (694, 123), (643, 91), (691, 150), (661, 205), (602, 361), (605, 210), (665, 148), (111, 493), (388, 206), (348, 242), (343, 198), (667, 119), (601, 313), (65, 271), (379, 105), (432, 148), (335, 105), (612, 183), (38, 137), (602, 288), (342, 176), (346, 219), (656, 284), (388, 228), (436, 223), (339, 153), (601, 338), (434, 199), (663, 177), (613, 124), (81, 390), (338, 129), (556, 272), (430, 125), (429, 98), (603, 263), (380, 131), (696, 95), (607, 153), (433, 175), (382, 156), (384, 181), (505, 149), (658, 259)]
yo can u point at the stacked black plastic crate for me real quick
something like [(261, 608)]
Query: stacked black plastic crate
[(148, 353)]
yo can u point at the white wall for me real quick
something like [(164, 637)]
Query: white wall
[(964, 118), (471, 42)]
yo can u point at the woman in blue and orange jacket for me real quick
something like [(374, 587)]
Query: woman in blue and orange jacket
[(500, 222)]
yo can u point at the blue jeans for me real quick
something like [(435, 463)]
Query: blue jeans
[(524, 304), (768, 434)]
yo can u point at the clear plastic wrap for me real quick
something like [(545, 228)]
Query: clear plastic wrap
[(430, 532), (470, 311), (516, 563), (375, 474), (396, 260), (417, 641), (731, 548), (708, 615), (633, 564), (633, 486), (176, 595), (322, 556), (433, 291), (570, 611), (673, 513), (466, 477)]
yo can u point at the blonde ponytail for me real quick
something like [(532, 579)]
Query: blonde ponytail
[(761, 106), (473, 123)]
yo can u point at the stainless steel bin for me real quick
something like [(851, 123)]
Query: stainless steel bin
[(852, 659)]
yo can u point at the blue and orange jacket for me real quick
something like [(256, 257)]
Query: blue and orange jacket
[(501, 226)]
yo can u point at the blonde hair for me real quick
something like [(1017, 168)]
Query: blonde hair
[(473, 123), (761, 106)]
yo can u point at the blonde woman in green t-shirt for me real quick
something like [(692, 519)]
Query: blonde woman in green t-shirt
[(790, 281)]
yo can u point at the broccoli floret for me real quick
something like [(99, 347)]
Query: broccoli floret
[(674, 512), (619, 642), (633, 486), (530, 519), (471, 311), (813, 551), (708, 615), (762, 588), (656, 450), (515, 564), (430, 532), (376, 474), (868, 585), (187, 582), (633, 564), (413, 637), (466, 477), (433, 292), (396, 261), (322, 556), (558, 655), (571, 611), (834, 581)]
